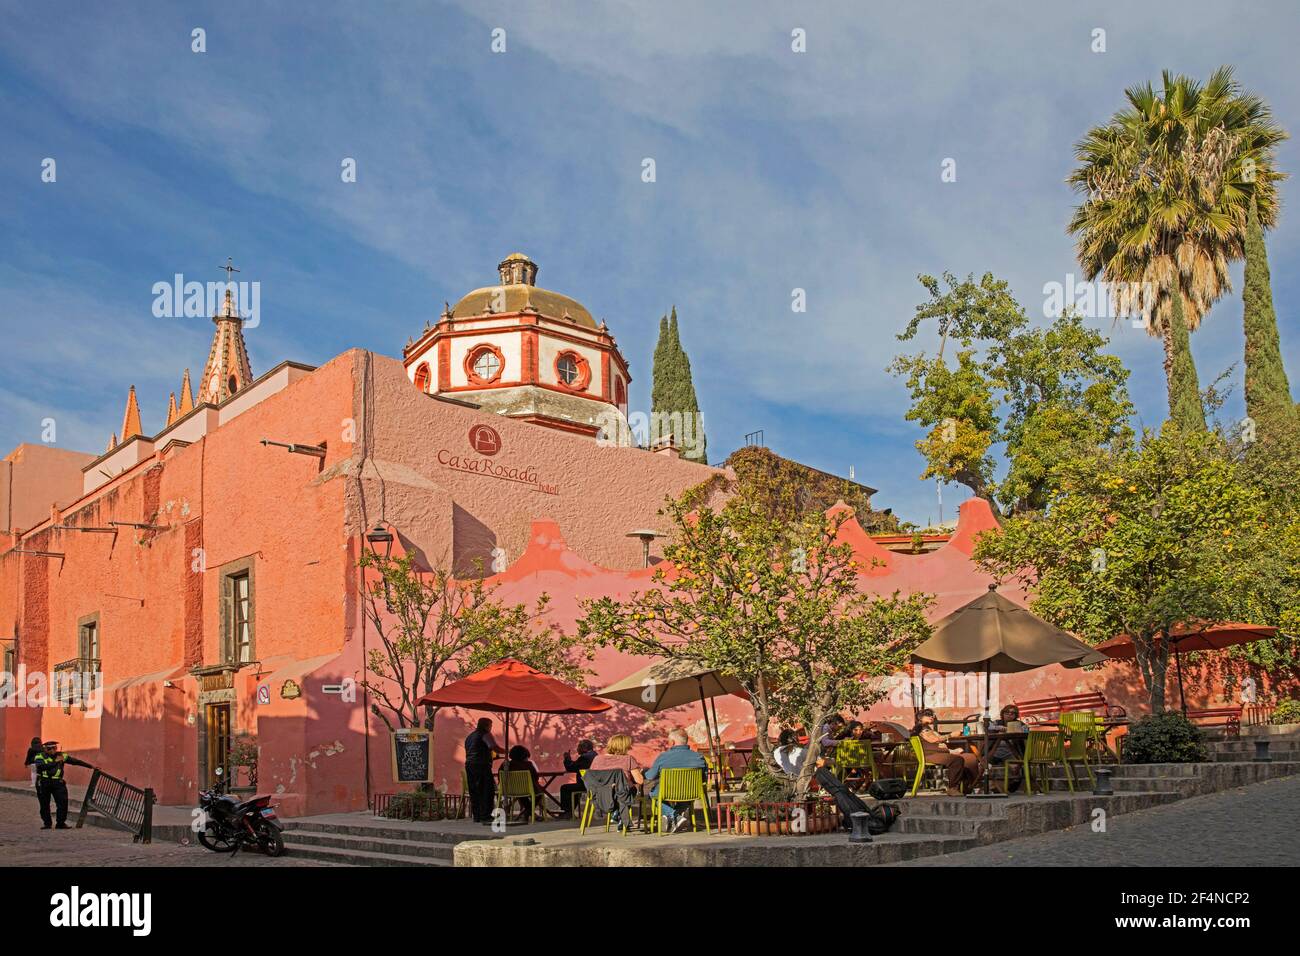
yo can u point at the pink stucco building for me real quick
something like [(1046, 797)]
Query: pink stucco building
[(209, 572)]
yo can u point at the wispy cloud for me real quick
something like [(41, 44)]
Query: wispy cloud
[(776, 170)]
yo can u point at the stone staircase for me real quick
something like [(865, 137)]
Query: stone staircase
[(367, 843)]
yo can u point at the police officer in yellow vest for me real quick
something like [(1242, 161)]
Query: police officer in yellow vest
[(49, 764)]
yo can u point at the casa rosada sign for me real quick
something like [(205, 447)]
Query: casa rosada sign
[(485, 445)]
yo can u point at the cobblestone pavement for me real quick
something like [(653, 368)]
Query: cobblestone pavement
[(24, 843), (1248, 826)]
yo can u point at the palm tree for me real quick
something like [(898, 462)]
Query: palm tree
[(1167, 186)]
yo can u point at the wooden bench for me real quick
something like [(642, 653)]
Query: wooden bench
[(1229, 718), (1048, 710)]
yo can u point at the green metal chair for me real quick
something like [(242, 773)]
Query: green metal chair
[(1078, 732), (1043, 749), (853, 759), (518, 785), (918, 751), (680, 786), (589, 811)]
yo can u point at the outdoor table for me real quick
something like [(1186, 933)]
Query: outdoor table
[(546, 778)]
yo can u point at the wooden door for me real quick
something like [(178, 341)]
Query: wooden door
[(218, 732)]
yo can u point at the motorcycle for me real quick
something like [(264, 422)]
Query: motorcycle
[(229, 824)]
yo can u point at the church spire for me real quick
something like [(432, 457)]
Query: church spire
[(227, 370), (187, 396), (131, 418), (171, 409)]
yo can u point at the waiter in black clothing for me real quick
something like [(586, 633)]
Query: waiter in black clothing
[(480, 750), (50, 783)]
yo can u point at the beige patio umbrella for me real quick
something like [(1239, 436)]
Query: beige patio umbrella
[(995, 634), (666, 684), (991, 634)]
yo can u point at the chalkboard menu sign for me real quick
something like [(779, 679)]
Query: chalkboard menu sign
[(411, 763)]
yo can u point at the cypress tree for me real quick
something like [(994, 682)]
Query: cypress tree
[(1184, 391), (673, 392), (659, 374), (1267, 388)]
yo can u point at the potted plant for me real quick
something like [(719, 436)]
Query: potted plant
[(754, 813), (1286, 712), (243, 763)]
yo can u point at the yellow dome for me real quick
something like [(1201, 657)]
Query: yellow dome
[(517, 297), (518, 283)]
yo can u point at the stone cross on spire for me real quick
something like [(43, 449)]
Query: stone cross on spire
[(227, 370)]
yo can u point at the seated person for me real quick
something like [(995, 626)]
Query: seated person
[(789, 753), (961, 768), (618, 756), (855, 730), (678, 756), (832, 730), (571, 791), (520, 758), (1003, 750)]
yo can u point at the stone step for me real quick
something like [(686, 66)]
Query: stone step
[(1129, 770), (1276, 745), (350, 857), (381, 830), (948, 826), (922, 806), (1127, 784), (370, 844), (1271, 730)]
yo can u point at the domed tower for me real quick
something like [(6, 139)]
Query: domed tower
[(523, 351)]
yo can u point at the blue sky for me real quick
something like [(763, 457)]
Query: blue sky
[(775, 170)]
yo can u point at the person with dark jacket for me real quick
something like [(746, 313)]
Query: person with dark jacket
[(480, 750), (32, 751), (50, 784), (570, 791)]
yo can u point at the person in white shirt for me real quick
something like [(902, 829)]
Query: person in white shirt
[(789, 753)]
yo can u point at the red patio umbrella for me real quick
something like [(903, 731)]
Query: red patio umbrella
[(1192, 637), (510, 686)]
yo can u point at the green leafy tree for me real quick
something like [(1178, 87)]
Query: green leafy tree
[(1269, 451), (434, 628), (774, 602), (1166, 185), (673, 402), (1140, 539), (1047, 394), (1267, 388)]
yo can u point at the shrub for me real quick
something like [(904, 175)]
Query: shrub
[(765, 786), (1165, 738), (1287, 712), (416, 805)]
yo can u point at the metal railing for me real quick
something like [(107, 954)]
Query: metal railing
[(128, 807), (779, 819)]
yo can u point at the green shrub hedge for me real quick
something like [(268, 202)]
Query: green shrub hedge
[(1165, 738)]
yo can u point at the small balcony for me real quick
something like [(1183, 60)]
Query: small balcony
[(74, 681)]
